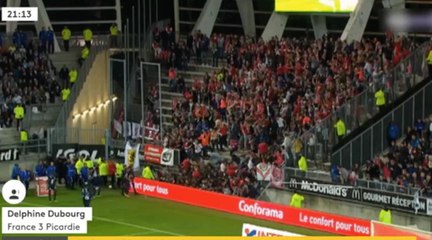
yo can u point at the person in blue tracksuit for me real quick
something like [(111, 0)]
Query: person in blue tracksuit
[(23, 38), (71, 172), (51, 170), (393, 132), (24, 177), (16, 39), (43, 38), (52, 188), (50, 39), (86, 194), (40, 170), (84, 174), (15, 171), (96, 181)]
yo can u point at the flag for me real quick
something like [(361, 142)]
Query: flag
[(277, 177), (132, 156)]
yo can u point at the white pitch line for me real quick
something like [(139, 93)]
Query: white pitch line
[(136, 226), (118, 222)]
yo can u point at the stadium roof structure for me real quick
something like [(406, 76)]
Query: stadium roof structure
[(256, 18)]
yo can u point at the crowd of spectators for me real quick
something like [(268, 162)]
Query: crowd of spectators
[(267, 94), (233, 176), (27, 76), (406, 164)]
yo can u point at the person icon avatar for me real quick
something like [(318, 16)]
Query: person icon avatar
[(14, 196), (13, 192)]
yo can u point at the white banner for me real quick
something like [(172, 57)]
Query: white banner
[(167, 157), (118, 127), (264, 171), (250, 230), (135, 130), (132, 156)]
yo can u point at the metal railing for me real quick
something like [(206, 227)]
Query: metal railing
[(374, 140), (101, 44), (35, 146), (77, 135), (357, 111), (76, 40), (363, 183)]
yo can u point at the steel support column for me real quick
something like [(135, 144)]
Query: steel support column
[(275, 26), (357, 22), (207, 18)]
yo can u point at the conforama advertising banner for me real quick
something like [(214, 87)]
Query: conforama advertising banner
[(320, 221), (316, 6)]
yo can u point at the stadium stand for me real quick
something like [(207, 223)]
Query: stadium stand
[(234, 108), (306, 75), (28, 77)]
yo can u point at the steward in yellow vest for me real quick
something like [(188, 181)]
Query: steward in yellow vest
[(73, 75), (65, 93), (89, 163), (297, 200), (380, 99), (103, 171), (303, 164), (88, 36), (385, 216), (19, 113), (85, 52), (119, 173), (147, 173), (340, 129), (114, 31), (23, 136), (66, 35)]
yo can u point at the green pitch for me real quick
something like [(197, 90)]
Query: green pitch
[(115, 215)]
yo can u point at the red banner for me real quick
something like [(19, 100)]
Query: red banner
[(257, 209), (42, 186), (153, 153)]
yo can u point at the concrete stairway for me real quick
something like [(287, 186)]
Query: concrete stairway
[(46, 115), (167, 95), (9, 137), (70, 59)]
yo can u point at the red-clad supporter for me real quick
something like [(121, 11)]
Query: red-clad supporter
[(196, 173), (112, 173), (186, 165)]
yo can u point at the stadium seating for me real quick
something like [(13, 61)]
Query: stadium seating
[(273, 92)]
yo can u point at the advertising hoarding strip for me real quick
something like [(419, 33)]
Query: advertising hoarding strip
[(315, 220), (369, 196)]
